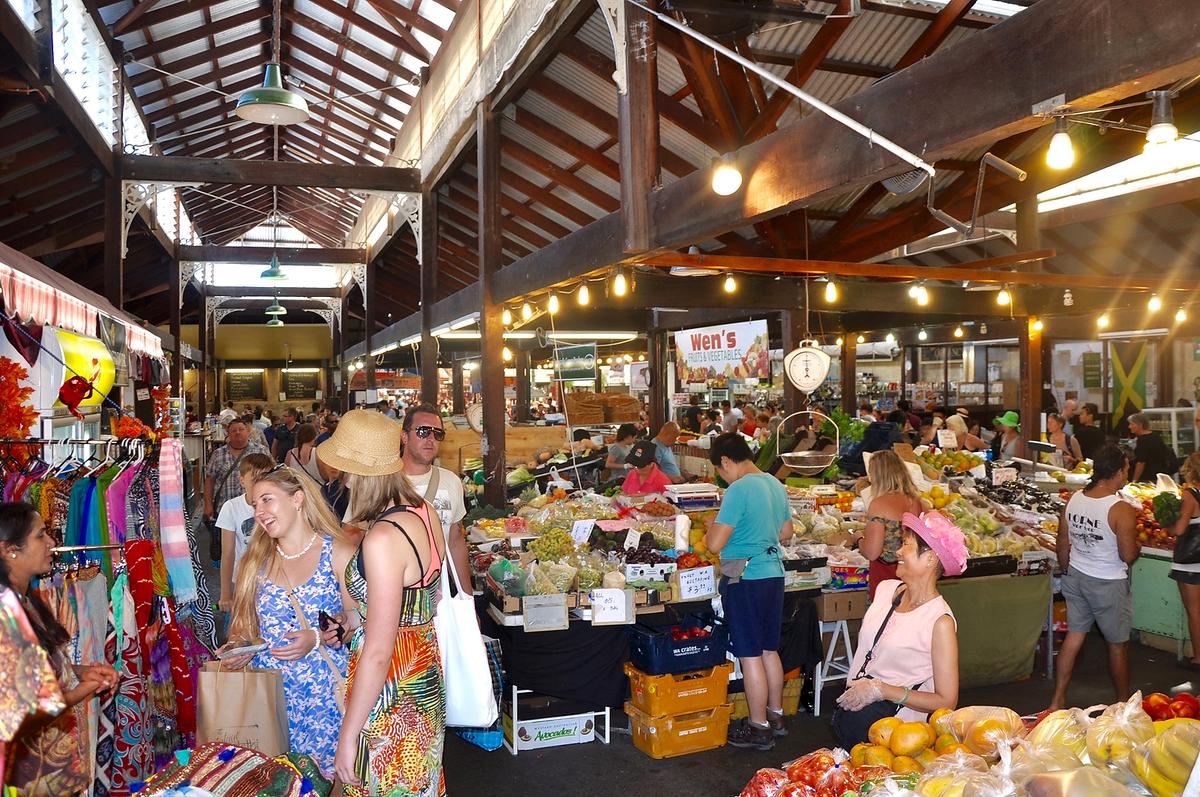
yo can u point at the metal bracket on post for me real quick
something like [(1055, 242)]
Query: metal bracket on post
[(134, 196), (219, 315), (187, 270), (335, 307), (211, 303), (328, 315), (614, 14), (359, 274), (407, 206)]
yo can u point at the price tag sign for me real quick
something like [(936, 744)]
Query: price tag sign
[(947, 438), (697, 583), (143, 394), (544, 613), (581, 531), (632, 538), (805, 504), (1003, 476), (612, 607)]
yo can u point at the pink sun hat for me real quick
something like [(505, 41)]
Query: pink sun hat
[(943, 537)]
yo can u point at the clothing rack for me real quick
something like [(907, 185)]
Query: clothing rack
[(70, 548)]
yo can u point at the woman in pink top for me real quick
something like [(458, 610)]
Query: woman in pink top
[(907, 657)]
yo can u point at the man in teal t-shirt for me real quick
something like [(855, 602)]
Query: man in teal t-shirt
[(753, 520)]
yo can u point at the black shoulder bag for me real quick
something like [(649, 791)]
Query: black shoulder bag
[(851, 727), (1187, 545)]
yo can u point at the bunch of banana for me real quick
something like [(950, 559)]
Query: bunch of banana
[(1164, 763)]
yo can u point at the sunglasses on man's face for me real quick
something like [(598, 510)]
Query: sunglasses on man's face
[(424, 431)]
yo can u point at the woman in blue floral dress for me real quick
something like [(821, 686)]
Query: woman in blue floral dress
[(295, 552)]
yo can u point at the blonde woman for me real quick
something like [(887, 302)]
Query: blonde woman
[(296, 551), (892, 495), (391, 738), (966, 441)]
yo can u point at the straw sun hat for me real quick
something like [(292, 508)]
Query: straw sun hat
[(366, 443)]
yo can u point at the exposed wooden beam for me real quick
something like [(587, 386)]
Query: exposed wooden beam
[(254, 42), (220, 170), (288, 255), (132, 15), (935, 33), (231, 22)]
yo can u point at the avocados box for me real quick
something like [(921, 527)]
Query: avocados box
[(538, 726)]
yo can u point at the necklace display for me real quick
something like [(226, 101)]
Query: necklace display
[(290, 556)]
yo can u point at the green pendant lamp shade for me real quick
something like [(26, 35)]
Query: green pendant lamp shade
[(271, 103), (275, 322), (276, 308), (273, 272)]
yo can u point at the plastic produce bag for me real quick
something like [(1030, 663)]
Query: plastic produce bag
[(1067, 727), (1112, 736), (986, 729), (1082, 782), (943, 777), (510, 576), (827, 773), (1032, 759), (1164, 763), (765, 783), (549, 578)]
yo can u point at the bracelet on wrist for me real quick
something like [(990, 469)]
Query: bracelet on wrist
[(904, 698)]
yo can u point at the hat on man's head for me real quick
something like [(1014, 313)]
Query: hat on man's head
[(365, 443), (641, 454)]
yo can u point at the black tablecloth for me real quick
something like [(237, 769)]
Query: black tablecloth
[(585, 663)]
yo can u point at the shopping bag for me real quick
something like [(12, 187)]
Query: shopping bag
[(245, 707), (470, 702), (492, 737)]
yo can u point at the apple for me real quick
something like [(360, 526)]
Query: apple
[(1184, 708), (1156, 699)]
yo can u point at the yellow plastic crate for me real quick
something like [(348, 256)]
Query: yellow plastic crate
[(659, 695), (679, 734), (791, 700)]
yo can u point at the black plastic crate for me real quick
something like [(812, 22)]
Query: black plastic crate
[(805, 565), (653, 651), (1001, 565)]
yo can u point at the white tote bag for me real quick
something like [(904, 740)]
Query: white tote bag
[(470, 702)]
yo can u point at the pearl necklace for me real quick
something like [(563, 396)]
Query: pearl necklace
[(289, 557)]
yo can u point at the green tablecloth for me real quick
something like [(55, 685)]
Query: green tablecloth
[(1000, 619)]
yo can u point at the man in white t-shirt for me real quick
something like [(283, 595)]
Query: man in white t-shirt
[(235, 523), (422, 436)]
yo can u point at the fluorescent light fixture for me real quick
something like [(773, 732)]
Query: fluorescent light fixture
[(244, 370), (437, 332), (386, 349), (521, 334), (595, 335), (1135, 333), (991, 8), (301, 370), (465, 321), (410, 340)]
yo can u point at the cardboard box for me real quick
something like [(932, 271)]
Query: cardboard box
[(544, 731), (843, 605)]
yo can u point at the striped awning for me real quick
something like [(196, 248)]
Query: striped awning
[(33, 301)]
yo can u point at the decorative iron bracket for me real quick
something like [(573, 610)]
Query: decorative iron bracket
[(134, 196), (613, 12)]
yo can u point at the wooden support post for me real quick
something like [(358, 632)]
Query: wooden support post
[(487, 127), (1030, 342), (637, 116), (849, 366), (657, 344), (457, 397), (429, 257), (202, 330), (1028, 234), (343, 316), (114, 261), (792, 327), (522, 402), (369, 309), (335, 364), (175, 322)]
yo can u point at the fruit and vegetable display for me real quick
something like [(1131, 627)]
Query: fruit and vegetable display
[(934, 463), (989, 751)]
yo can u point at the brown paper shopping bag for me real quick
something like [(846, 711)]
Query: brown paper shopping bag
[(243, 707)]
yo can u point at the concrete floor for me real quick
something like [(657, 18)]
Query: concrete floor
[(621, 770)]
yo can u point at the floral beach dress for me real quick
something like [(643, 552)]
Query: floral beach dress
[(400, 748), (308, 683)]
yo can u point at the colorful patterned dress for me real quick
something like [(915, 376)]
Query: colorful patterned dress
[(308, 683), (400, 748)]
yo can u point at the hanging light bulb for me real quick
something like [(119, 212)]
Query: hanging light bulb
[(730, 284), (506, 317), (922, 335), (628, 358), (620, 283), (526, 311), (861, 339), (641, 358), (839, 341), (958, 332), (506, 353), (1102, 321), (552, 304), (1037, 325), (922, 295), (1004, 298), (890, 338), (726, 179), (1162, 122), (584, 295), (1181, 315), (1155, 303), (271, 103), (831, 292), (1061, 152), (1068, 299), (912, 291)]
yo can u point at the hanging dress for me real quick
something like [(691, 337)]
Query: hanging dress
[(308, 684), (400, 748)]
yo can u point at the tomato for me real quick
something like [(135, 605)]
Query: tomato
[(1187, 697), (811, 768), (1155, 699), (766, 783), (1158, 713), (796, 790)]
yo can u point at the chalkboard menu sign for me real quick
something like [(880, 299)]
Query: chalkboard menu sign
[(300, 384), (245, 386)]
